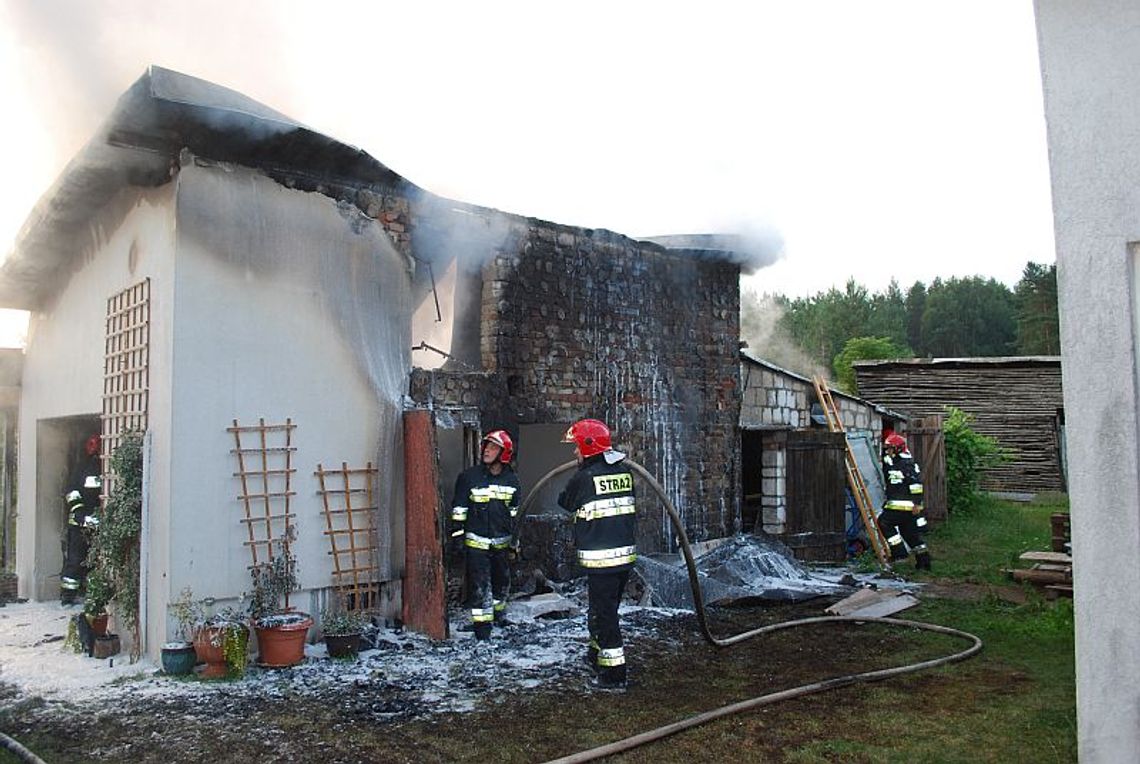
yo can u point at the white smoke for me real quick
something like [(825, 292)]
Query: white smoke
[(760, 327)]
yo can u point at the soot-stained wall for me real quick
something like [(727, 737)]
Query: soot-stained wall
[(584, 323)]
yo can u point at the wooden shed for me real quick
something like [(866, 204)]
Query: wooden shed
[(792, 467), (1015, 400)]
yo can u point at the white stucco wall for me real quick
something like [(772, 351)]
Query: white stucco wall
[(63, 368), (1090, 57), (286, 306)]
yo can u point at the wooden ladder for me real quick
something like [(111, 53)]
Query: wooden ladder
[(854, 477)]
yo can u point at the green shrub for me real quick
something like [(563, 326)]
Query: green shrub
[(968, 454), (114, 554)]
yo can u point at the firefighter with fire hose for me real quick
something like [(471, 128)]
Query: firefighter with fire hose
[(82, 506), (902, 520), (601, 496), (484, 508)]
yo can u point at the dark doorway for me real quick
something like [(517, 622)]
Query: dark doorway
[(751, 479), (59, 447)]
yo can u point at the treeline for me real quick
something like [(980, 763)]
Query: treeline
[(951, 318)]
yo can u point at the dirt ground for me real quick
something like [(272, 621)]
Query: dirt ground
[(523, 697)]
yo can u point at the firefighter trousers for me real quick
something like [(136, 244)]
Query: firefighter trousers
[(898, 526), (74, 573), (488, 573), (606, 647)]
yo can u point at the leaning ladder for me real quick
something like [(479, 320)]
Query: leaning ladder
[(854, 477)]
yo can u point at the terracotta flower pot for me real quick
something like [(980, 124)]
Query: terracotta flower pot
[(209, 647), (98, 624), (281, 639)]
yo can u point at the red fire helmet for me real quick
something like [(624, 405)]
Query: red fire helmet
[(894, 440), (591, 436), (503, 440), (91, 445)]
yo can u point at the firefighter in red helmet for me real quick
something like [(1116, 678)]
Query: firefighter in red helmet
[(82, 502), (901, 519), (484, 508), (601, 496)]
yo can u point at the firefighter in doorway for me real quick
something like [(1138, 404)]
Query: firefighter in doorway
[(601, 496), (485, 505), (901, 519), (82, 500)]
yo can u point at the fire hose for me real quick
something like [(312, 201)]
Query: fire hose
[(699, 606), (14, 747)]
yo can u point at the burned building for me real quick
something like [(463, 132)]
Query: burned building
[(254, 297)]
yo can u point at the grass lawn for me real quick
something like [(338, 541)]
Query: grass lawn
[(1014, 702)]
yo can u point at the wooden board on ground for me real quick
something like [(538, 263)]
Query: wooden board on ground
[(872, 603), (1059, 558)]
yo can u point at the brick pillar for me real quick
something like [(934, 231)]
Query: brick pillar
[(424, 591)]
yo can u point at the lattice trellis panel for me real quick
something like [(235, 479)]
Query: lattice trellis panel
[(350, 509), (265, 467), (126, 369)]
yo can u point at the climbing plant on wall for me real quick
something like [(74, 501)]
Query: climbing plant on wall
[(114, 551)]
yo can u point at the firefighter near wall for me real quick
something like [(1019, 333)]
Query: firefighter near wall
[(81, 502), (901, 521), (600, 494), (483, 511)]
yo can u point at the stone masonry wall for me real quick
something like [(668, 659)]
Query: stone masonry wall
[(773, 399), (592, 324)]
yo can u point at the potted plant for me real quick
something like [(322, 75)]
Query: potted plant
[(281, 633), (99, 595), (221, 641), (342, 630), (179, 656)]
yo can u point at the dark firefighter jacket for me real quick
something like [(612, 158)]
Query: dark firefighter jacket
[(903, 482), (83, 493), (605, 524), (484, 507)]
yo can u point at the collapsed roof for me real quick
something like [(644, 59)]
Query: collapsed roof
[(139, 144)]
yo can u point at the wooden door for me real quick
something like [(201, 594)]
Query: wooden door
[(816, 517), (928, 446)]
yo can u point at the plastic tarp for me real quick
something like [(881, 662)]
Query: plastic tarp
[(744, 569)]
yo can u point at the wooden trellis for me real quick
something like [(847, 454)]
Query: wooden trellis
[(126, 370), (265, 467), (350, 510)]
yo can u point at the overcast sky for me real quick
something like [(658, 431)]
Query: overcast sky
[(899, 139)]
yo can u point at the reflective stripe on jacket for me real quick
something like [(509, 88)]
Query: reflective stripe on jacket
[(602, 498), (484, 506), (903, 482)]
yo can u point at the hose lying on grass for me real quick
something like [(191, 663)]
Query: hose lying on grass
[(20, 752), (699, 606)]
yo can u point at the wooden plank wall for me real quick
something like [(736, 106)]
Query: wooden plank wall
[(1016, 402)]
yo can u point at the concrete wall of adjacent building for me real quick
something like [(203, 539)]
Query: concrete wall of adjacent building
[(288, 307), (63, 371), (1090, 56), (266, 302)]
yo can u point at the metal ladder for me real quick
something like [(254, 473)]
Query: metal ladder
[(854, 477)]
